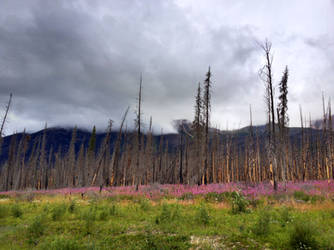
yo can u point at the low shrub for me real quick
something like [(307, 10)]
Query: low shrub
[(262, 226), (167, 242), (202, 215), (63, 243), (4, 211), (317, 198), (144, 204), (255, 203), (331, 213), (71, 207), (117, 229), (113, 210), (217, 197), (165, 215), (89, 217), (285, 216), (58, 211), (36, 229), (106, 211), (176, 212), (239, 203), (301, 195), (4, 196), (16, 211), (187, 196), (120, 197), (89, 214), (46, 208), (169, 213), (103, 215), (147, 241), (59, 242), (302, 236)]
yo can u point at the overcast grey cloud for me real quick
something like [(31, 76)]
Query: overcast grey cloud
[(78, 62)]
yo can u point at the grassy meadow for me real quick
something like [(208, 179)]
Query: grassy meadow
[(119, 218)]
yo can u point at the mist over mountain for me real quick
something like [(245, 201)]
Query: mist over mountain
[(319, 123)]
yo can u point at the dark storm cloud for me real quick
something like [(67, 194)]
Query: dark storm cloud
[(70, 62), (79, 62)]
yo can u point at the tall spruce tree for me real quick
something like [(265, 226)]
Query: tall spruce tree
[(92, 141), (283, 120), (197, 127), (91, 154), (206, 110), (283, 100)]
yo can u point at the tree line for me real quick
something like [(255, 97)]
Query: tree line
[(202, 154)]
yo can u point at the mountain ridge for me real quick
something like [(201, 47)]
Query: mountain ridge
[(58, 139)]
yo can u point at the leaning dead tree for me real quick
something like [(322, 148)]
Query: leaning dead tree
[(4, 119), (115, 180), (103, 154)]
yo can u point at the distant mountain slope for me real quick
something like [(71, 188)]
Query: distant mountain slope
[(58, 139)]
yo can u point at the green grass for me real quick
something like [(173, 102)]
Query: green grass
[(225, 221)]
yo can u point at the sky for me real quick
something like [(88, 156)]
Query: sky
[(72, 62)]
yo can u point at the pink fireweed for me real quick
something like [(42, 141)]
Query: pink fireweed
[(322, 188)]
